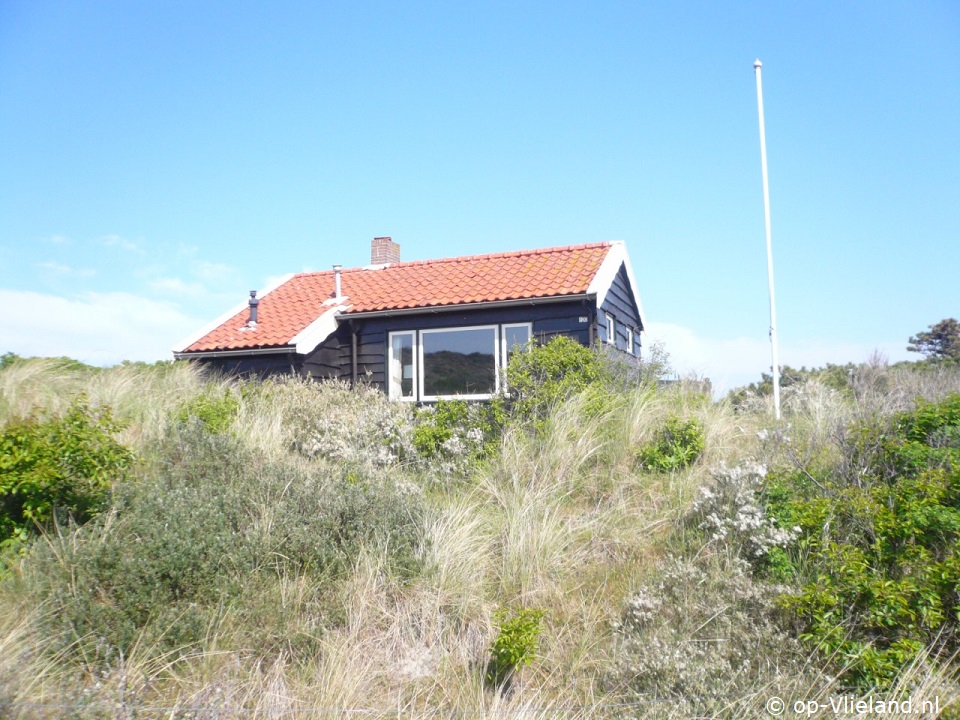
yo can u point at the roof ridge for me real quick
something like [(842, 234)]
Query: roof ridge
[(464, 258)]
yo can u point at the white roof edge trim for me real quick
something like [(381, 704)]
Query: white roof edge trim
[(319, 330), (211, 326), (603, 280)]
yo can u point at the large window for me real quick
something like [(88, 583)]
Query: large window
[(461, 361), (464, 362)]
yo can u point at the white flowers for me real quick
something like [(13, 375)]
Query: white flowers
[(730, 510)]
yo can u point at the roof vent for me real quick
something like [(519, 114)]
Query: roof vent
[(383, 251), (253, 308), (337, 293)]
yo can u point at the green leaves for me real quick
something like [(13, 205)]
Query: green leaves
[(515, 645), (676, 445), (880, 560), (60, 468)]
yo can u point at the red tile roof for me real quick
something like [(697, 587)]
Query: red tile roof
[(285, 311)]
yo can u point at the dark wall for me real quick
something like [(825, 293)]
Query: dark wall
[(255, 365), (620, 303), (333, 357)]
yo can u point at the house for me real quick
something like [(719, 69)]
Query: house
[(427, 330)]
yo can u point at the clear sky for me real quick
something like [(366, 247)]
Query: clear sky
[(158, 160)]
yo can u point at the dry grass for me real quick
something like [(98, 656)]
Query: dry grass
[(565, 522)]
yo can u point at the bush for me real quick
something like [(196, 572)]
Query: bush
[(213, 521), (546, 374), (879, 554), (59, 469), (328, 419), (700, 638), (450, 436), (515, 645), (216, 411), (676, 445)]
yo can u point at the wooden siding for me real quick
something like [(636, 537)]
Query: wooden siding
[(620, 304), (255, 365), (548, 319)]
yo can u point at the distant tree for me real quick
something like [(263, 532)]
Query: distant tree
[(941, 343)]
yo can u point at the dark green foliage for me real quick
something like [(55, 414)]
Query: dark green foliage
[(211, 522), (879, 554), (8, 359), (940, 344), (215, 410), (676, 445), (515, 645), (547, 374), (57, 469)]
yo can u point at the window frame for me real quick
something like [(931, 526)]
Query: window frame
[(475, 396), (503, 340), (630, 341), (390, 359), (611, 329)]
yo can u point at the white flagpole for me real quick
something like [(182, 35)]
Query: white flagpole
[(766, 212)]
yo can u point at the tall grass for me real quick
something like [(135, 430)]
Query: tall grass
[(564, 520)]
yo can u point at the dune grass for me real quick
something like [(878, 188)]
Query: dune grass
[(564, 520)]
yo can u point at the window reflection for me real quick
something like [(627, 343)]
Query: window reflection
[(459, 362)]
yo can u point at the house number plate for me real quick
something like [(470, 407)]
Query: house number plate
[(584, 318)]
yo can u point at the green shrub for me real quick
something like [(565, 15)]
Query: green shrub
[(879, 554), (211, 521), (57, 469), (216, 411), (676, 445), (516, 644), (547, 374), (457, 432)]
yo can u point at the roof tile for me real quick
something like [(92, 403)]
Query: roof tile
[(285, 311)]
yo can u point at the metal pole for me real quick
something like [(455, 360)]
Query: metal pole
[(766, 212)]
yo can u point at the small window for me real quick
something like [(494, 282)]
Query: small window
[(611, 330), (402, 376), (630, 348), (514, 336)]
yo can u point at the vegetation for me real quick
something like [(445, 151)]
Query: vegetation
[(592, 544), (941, 343)]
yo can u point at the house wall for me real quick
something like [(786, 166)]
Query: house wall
[(333, 357), (255, 365), (619, 302)]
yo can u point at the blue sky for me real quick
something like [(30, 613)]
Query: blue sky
[(158, 160)]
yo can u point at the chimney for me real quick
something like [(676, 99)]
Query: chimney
[(253, 307), (336, 280), (384, 250)]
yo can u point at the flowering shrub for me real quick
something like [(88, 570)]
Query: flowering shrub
[(357, 426), (730, 511), (702, 630)]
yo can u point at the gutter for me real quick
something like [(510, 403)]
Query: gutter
[(468, 306), (282, 350)]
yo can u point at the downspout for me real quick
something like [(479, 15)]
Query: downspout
[(353, 354), (591, 312)]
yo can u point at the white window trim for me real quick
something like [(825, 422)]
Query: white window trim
[(611, 330), (496, 355), (630, 347), (416, 386), (503, 339)]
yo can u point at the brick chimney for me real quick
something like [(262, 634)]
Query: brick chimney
[(384, 250)]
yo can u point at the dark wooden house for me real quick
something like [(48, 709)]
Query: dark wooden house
[(430, 329)]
